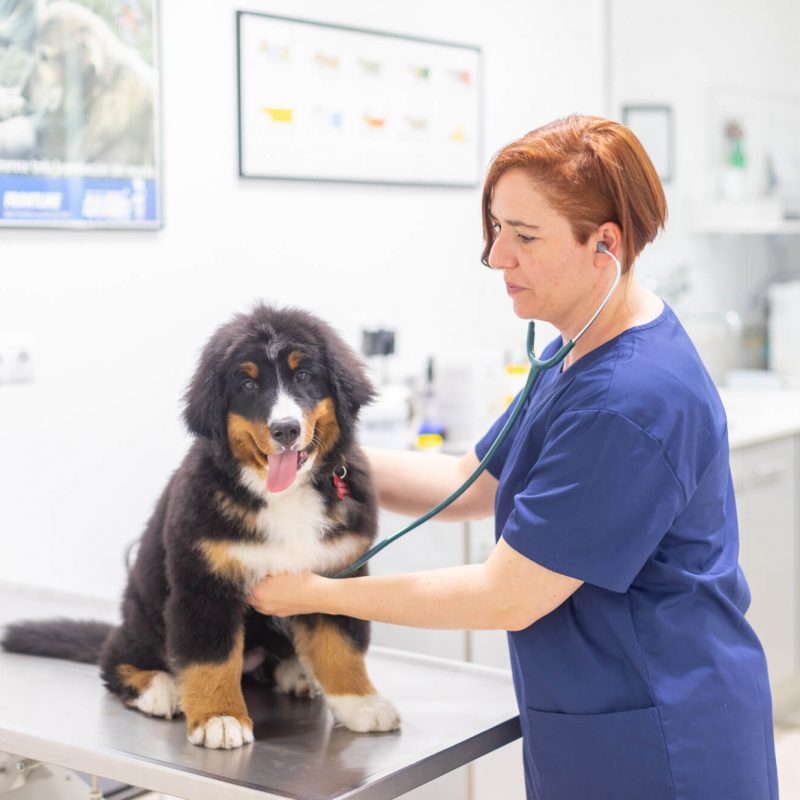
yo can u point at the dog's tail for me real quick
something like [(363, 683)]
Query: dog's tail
[(73, 640)]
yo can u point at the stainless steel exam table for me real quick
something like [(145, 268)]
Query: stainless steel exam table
[(59, 713)]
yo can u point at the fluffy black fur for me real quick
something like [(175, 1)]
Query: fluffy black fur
[(74, 640), (176, 610)]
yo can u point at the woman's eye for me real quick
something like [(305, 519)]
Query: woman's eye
[(526, 238), (249, 385), (301, 375)]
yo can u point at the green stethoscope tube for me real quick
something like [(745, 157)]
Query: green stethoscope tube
[(537, 368)]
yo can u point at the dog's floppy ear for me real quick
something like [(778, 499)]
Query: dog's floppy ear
[(349, 382), (204, 398)]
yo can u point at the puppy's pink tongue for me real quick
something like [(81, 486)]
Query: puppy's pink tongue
[(282, 471)]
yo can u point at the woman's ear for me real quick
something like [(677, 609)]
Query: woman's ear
[(608, 236)]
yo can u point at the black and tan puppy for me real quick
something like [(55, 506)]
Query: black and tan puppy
[(273, 404)]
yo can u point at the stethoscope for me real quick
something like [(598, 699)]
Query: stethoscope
[(537, 368)]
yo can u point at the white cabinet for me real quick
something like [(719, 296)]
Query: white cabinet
[(485, 647), (498, 774), (446, 544), (434, 544), (765, 482)]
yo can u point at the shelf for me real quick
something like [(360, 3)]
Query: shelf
[(789, 227), (764, 216)]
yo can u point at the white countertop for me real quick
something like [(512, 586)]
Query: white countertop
[(758, 415), (754, 415)]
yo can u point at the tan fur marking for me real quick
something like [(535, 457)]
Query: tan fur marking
[(135, 678), (337, 665), (249, 369), (214, 690), (220, 561), (338, 516), (234, 512), (295, 357), (249, 441), (321, 423)]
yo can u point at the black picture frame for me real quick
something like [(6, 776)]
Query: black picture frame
[(392, 154)]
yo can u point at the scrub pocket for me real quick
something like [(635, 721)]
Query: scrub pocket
[(619, 756)]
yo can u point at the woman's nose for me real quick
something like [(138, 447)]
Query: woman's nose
[(500, 257)]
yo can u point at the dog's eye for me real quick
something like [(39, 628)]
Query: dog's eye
[(249, 385), (301, 375)]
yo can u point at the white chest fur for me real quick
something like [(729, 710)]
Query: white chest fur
[(293, 527)]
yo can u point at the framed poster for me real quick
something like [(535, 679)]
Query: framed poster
[(79, 114), (652, 125), (331, 103)]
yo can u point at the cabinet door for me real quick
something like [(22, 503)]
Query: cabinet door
[(499, 774), (451, 786), (485, 647), (434, 544), (764, 482)]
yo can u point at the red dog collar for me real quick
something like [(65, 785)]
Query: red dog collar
[(342, 489)]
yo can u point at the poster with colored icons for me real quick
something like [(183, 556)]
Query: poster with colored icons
[(332, 103)]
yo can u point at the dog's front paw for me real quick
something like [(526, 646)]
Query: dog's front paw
[(160, 698), (364, 713), (292, 678), (222, 733)]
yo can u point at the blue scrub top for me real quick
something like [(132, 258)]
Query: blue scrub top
[(647, 683)]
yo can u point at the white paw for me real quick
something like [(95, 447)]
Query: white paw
[(160, 698), (364, 713), (222, 733), (292, 678)]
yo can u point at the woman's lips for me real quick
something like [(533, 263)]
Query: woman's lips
[(513, 288)]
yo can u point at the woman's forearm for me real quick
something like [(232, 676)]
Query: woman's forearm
[(507, 592), (455, 597)]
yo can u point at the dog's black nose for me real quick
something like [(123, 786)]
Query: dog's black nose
[(285, 431)]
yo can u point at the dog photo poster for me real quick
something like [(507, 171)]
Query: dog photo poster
[(79, 141)]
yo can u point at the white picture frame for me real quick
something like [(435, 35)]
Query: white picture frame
[(652, 125)]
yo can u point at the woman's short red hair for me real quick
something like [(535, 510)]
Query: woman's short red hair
[(592, 171)]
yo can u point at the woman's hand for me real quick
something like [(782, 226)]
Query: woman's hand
[(288, 595)]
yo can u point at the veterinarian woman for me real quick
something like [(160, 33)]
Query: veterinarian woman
[(615, 570)]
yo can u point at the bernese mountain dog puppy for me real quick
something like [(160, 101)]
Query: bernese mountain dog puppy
[(274, 482)]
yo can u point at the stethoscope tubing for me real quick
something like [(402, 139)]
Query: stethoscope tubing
[(537, 368)]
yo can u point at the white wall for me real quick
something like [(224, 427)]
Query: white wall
[(114, 321), (682, 53)]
